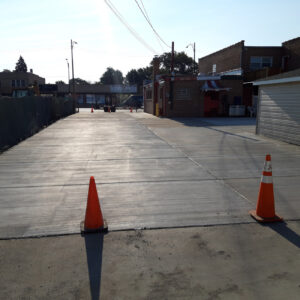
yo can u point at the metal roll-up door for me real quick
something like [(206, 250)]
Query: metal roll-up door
[(279, 112)]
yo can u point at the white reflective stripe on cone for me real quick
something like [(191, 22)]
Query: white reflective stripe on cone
[(266, 179), (268, 166)]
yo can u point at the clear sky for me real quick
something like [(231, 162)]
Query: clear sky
[(40, 31)]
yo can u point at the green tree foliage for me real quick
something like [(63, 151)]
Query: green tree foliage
[(138, 76), (21, 65), (183, 64), (111, 76), (60, 82), (79, 81)]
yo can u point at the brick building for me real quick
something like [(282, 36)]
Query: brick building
[(252, 63), (17, 83), (191, 96)]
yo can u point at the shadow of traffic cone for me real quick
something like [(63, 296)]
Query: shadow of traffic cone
[(265, 208), (92, 109), (94, 221)]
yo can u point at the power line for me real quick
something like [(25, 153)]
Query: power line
[(124, 22), (149, 22), (144, 9), (162, 48)]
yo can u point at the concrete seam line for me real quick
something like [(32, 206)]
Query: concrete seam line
[(136, 229)]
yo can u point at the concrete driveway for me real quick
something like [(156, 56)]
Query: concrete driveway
[(150, 173)]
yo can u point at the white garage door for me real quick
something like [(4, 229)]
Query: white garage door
[(279, 112)]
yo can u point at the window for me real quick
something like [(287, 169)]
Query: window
[(260, 62), (183, 94), (18, 83), (214, 68)]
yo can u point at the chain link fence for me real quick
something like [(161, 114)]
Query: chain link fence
[(23, 117)]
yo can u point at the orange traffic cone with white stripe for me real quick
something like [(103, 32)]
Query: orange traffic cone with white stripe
[(94, 221), (265, 209)]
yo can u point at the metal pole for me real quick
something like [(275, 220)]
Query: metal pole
[(172, 78), (195, 58), (68, 75), (73, 82), (194, 50)]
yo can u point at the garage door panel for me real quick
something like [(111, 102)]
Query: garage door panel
[(279, 112)]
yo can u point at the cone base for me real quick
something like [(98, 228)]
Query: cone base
[(276, 218), (103, 228)]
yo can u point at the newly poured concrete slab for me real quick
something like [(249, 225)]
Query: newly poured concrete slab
[(150, 173)]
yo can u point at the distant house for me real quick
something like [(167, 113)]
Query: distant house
[(17, 83), (279, 107)]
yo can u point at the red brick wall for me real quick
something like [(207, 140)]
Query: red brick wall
[(226, 59), (292, 50), (275, 52), (184, 105)]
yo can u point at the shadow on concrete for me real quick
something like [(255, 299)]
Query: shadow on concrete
[(221, 121), (94, 248), (285, 232), (199, 122)]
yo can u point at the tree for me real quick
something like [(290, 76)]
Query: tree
[(111, 76), (183, 64), (60, 82), (138, 76), (79, 81), (21, 65)]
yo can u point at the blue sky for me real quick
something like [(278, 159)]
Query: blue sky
[(40, 31)]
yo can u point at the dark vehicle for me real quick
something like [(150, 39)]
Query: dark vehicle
[(109, 108)]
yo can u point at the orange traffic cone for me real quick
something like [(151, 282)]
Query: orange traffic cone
[(94, 221), (265, 208), (130, 109), (92, 109)]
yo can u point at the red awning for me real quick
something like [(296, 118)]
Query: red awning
[(211, 85)]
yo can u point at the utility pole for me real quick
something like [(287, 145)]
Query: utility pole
[(172, 60), (68, 75), (73, 82)]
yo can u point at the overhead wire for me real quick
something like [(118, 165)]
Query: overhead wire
[(125, 23), (144, 12)]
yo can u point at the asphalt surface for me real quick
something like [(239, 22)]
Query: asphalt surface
[(197, 178)]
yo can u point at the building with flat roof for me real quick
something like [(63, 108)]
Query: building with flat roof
[(17, 83)]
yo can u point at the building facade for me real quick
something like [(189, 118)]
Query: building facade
[(192, 96), (88, 95), (18, 83), (252, 63)]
